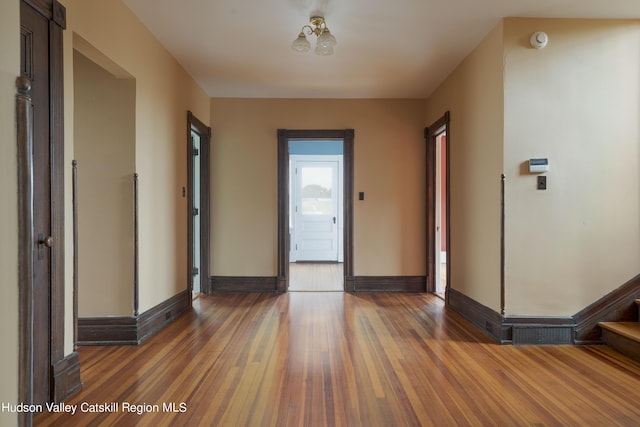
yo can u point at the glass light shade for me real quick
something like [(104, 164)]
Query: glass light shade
[(326, 39), (301, 44), (323, 50)]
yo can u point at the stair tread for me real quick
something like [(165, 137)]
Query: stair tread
[(629, 330)]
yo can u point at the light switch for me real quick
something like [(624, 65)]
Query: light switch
[(542, 182)]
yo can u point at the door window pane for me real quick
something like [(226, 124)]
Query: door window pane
[(316, 190)]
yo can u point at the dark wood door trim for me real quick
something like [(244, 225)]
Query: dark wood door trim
[(284, 135), (205, 209), (430, 133), (26, 245), (54, 13)]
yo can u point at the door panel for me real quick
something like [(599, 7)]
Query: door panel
[(316, 210), (35, 65)]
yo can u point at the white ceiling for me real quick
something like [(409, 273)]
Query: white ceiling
[(386, 48)]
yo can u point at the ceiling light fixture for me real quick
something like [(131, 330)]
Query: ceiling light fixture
[(325, 42)]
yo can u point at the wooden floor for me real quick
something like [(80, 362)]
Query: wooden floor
[(307, 276), (341, 359)]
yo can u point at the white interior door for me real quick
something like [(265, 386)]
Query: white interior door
[(316, 210)]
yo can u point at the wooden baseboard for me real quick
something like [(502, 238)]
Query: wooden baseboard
[(617, 306), (156, 318), (387, 284), (66, 377), (242, 284), (131, 330), (112, 330), (513, 330), (581, 328), (484, 318)]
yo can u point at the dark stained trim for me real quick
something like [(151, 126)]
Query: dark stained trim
[(529, 330), (244, 284), (430, 133), (205, 205), (66, 377), (136, 247), (581, 328), (284, 135), (74, 184), (55, 13), (112, 330), (26, 243), (283, 211), (502, 245), (131, 330), (479, 315), (388, 284), (156, 318), (56, 76), (617, 306)]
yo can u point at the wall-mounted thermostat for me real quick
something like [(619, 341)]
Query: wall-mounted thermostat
[(538, 165)]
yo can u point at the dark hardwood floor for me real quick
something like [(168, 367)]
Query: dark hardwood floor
[(341, 359)]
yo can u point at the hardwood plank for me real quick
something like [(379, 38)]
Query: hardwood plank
[(341, 359), (629, 330), (309, 276)]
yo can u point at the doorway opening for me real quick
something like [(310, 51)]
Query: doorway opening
[(438, 212), (315, 210), (104, 149), (316, 226), (198, 209), (441, 214)]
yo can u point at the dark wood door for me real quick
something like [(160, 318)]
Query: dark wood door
[(35, 66)]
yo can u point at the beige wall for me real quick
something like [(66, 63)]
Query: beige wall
[(576, 102), (164, 93), (104, 144), (389, 167), (473, 95), (9, 70)]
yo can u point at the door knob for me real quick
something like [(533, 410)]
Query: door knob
[(47, 241)]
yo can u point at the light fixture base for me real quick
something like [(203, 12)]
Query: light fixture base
[(316, 20)]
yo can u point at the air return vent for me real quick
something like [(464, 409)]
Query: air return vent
[(540, 335)]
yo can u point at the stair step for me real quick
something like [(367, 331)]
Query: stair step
[(623, 337), (629, 330)]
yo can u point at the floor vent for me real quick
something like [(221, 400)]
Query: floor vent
[(540, 335)]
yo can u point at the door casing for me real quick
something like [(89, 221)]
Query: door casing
[(284, 135), (204, 131), (430, 133), (40, 214)]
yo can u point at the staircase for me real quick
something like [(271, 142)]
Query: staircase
[(623, 336)]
